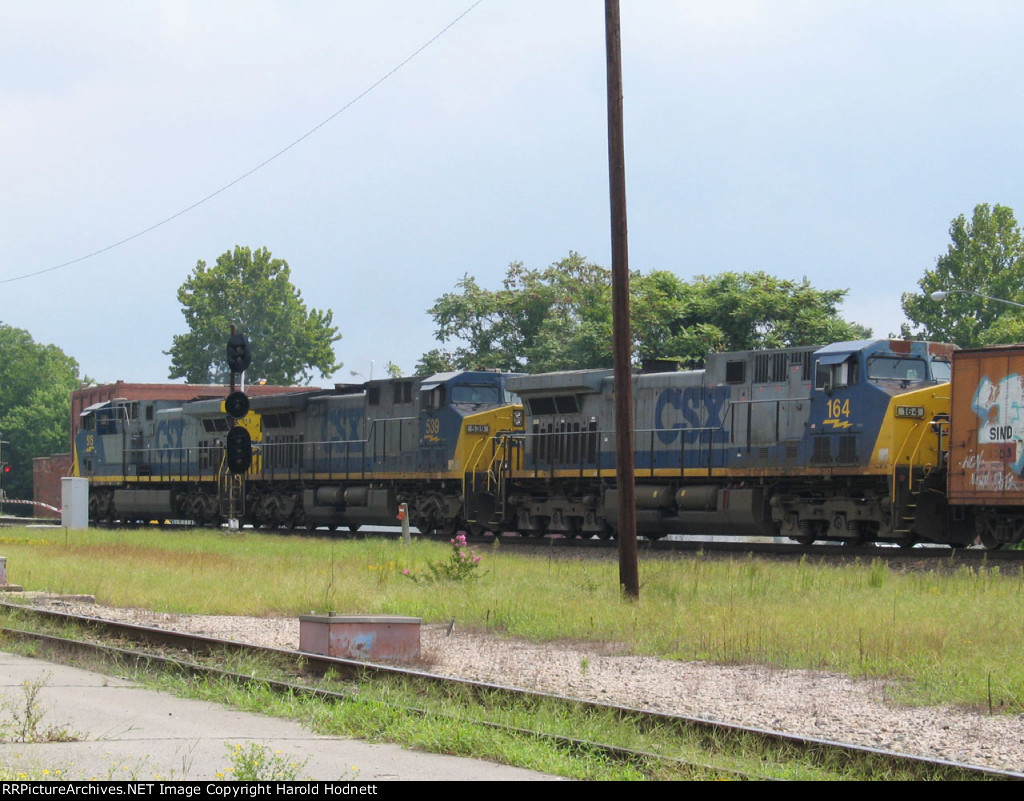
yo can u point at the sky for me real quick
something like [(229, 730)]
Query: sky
[(829, 140)]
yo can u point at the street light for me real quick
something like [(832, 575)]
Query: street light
[(940, 295)]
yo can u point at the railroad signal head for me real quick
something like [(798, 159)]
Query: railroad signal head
[(239, 354), (6, 469), (239, 450), (236, 405)]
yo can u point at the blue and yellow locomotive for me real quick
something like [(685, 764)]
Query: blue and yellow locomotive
[(341, 457), (845, 442)]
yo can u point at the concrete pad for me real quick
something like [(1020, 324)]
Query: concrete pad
[(129, 732)]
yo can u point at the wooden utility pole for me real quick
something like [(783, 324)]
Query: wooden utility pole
[(629, 574)]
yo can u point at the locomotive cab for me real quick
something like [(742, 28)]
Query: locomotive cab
[(876, 433)]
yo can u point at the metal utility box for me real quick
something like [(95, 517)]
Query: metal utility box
[(387, 638)]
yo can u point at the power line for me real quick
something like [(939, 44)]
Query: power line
[(259, 166)]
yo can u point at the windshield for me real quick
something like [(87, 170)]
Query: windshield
[(942, 370), (898, 368), (475, 393)]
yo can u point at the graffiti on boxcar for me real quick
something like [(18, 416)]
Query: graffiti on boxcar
[(999, 407)]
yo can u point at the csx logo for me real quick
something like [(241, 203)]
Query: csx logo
[(700, 409)]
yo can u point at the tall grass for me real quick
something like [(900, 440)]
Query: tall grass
[(948, 637)]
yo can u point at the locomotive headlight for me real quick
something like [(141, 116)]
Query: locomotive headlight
[(517, 417)]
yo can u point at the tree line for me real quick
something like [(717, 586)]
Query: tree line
[(560, 318), (538, 320)]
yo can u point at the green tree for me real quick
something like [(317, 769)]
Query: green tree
[(734, 311), (560, 318), (548, 319), (435, 361), (986, 257), (254, 292), (36, 382)]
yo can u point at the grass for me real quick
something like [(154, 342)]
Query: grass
[(459, 722), (949, 637)]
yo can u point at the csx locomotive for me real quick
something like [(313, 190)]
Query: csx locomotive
[(846, 442)]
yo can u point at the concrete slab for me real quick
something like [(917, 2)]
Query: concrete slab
[(129, 732)]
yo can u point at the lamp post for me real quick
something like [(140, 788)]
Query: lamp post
[(941, 295)]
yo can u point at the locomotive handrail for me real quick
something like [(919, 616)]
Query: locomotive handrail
[(501, 445), (549, 459), (921, 429), (174, 462), (476, 456), (742, 401)]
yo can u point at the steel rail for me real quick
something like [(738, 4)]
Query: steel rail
[(193, 643)]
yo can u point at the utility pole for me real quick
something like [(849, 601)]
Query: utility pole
[(629, 573), (4, 470)]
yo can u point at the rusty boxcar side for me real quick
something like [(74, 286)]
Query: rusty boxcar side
[(986, 456)]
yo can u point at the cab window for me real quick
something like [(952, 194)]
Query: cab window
[(834, 376), (897, 368), (475, 393), (942, 370)]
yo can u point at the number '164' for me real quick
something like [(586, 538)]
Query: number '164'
[(838, 407)]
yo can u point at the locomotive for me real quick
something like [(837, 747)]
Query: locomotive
[(843, 442), (341, 457), (848, 442)]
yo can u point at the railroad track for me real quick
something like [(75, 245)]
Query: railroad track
[(166, 649), (831, 551)]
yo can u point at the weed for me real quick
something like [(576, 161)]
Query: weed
[(26, 717), (255, 763), (460, 565), (878, 573)]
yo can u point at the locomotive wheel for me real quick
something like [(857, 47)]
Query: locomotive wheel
[(449, 528), (989, 541), (857, 536), (808, 532)]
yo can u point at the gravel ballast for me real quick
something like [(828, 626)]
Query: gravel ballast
[(808, 703)]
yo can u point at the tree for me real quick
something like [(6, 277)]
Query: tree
[(254, 292), (540, 319), (36, 382), (986, 257), (733, 311), (560, 318)]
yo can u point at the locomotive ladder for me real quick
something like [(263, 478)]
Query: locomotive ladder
[(492, 478), (908, 511), (498, 472)]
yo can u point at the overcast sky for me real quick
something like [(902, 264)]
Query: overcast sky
[(833, 140)]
